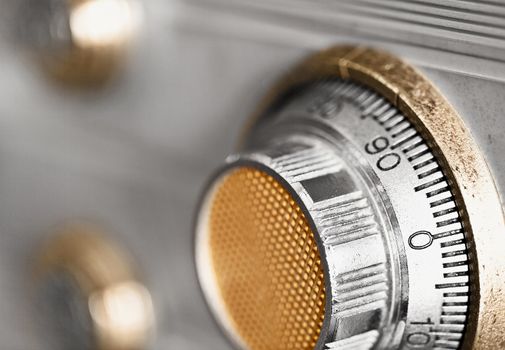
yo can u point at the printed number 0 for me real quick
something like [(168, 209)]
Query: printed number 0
[(388, 161), (420, 240)]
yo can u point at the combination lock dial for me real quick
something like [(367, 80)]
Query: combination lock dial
[(358, 214)]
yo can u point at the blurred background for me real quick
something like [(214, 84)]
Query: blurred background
[(115, 121)]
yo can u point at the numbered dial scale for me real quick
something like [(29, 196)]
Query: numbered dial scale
[(337, 226)]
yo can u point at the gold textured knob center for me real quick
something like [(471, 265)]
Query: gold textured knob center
[(264, 263)]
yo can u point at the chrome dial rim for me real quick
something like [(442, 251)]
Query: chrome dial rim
[(395, 252)]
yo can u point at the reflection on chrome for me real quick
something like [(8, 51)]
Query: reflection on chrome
[(122, 315), (103, 22)]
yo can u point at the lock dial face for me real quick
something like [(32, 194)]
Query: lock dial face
[(338, 186)]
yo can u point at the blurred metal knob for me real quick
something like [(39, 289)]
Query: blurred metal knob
[(91, 296), (80, 42)]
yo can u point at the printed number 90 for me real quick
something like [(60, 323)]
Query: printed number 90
[(386, 161)]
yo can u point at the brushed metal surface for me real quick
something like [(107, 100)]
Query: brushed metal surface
[(471, 27)]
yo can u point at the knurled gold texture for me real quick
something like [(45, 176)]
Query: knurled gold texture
[(266, 263)]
